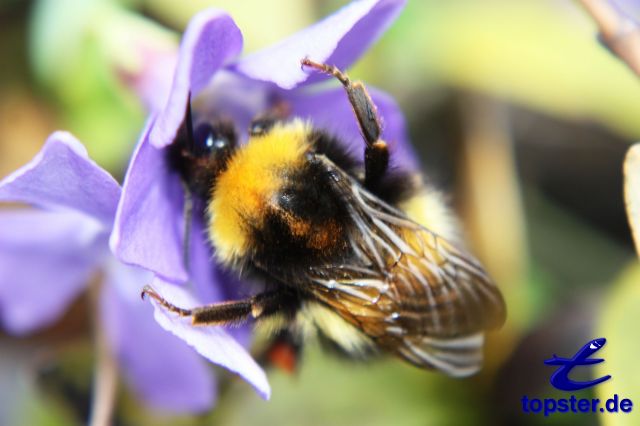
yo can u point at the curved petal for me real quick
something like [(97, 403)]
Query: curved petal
[(339, 39), (340, 120), (147, 227), (630, 8), (211, 39), (163, 371), (63, 176), (214, 343), (46, 259)]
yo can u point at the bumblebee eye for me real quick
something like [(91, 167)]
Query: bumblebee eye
[(286, 199), (209, 141)]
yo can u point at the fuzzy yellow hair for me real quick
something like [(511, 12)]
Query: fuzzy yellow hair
[(246, 188)]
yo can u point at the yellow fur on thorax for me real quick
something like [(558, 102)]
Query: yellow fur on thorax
[(429, 208), (246, 188)]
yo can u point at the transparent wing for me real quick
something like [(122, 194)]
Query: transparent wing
[(412, 291)]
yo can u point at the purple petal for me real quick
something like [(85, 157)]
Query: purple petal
[(63, 176), (210, 40), (46, 260), (202, 267), (214, 343), (340, 120), (211, 283), (630, 8), (163, 371), (339, 39), (149, 217)]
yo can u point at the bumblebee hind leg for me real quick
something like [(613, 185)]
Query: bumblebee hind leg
[(376, 153), (228, 313)]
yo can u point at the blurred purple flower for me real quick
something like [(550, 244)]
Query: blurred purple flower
[(149, 224), (631, 8), (48, 256), (628, 25)]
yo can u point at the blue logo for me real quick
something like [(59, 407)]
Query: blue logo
[(572, 403), (560, 379)]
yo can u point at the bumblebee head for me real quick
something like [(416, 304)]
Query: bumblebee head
[(201, 153)]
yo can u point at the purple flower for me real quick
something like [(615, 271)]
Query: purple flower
[(630, 8), (49, 254), (149, 224)]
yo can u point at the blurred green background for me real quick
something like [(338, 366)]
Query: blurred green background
[(518, 113)]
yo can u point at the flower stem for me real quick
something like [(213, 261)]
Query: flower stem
[(619, 32), (105, 381)]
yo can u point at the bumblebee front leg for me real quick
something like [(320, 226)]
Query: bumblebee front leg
[(226, 313), (376, 154), (187, 223)]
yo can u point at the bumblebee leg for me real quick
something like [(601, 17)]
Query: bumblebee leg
[(187, 214), (149, 291), (226, 313), (376, 154)]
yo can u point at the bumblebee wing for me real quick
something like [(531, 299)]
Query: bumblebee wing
[(409, 289)]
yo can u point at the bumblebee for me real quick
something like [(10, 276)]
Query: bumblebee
[(364, 256)]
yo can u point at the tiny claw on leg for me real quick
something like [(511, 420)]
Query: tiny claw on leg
[(306, 62), (149, 291)]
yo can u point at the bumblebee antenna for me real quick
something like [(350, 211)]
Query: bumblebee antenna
[(376, 153), (189, 120), (187, 214)]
